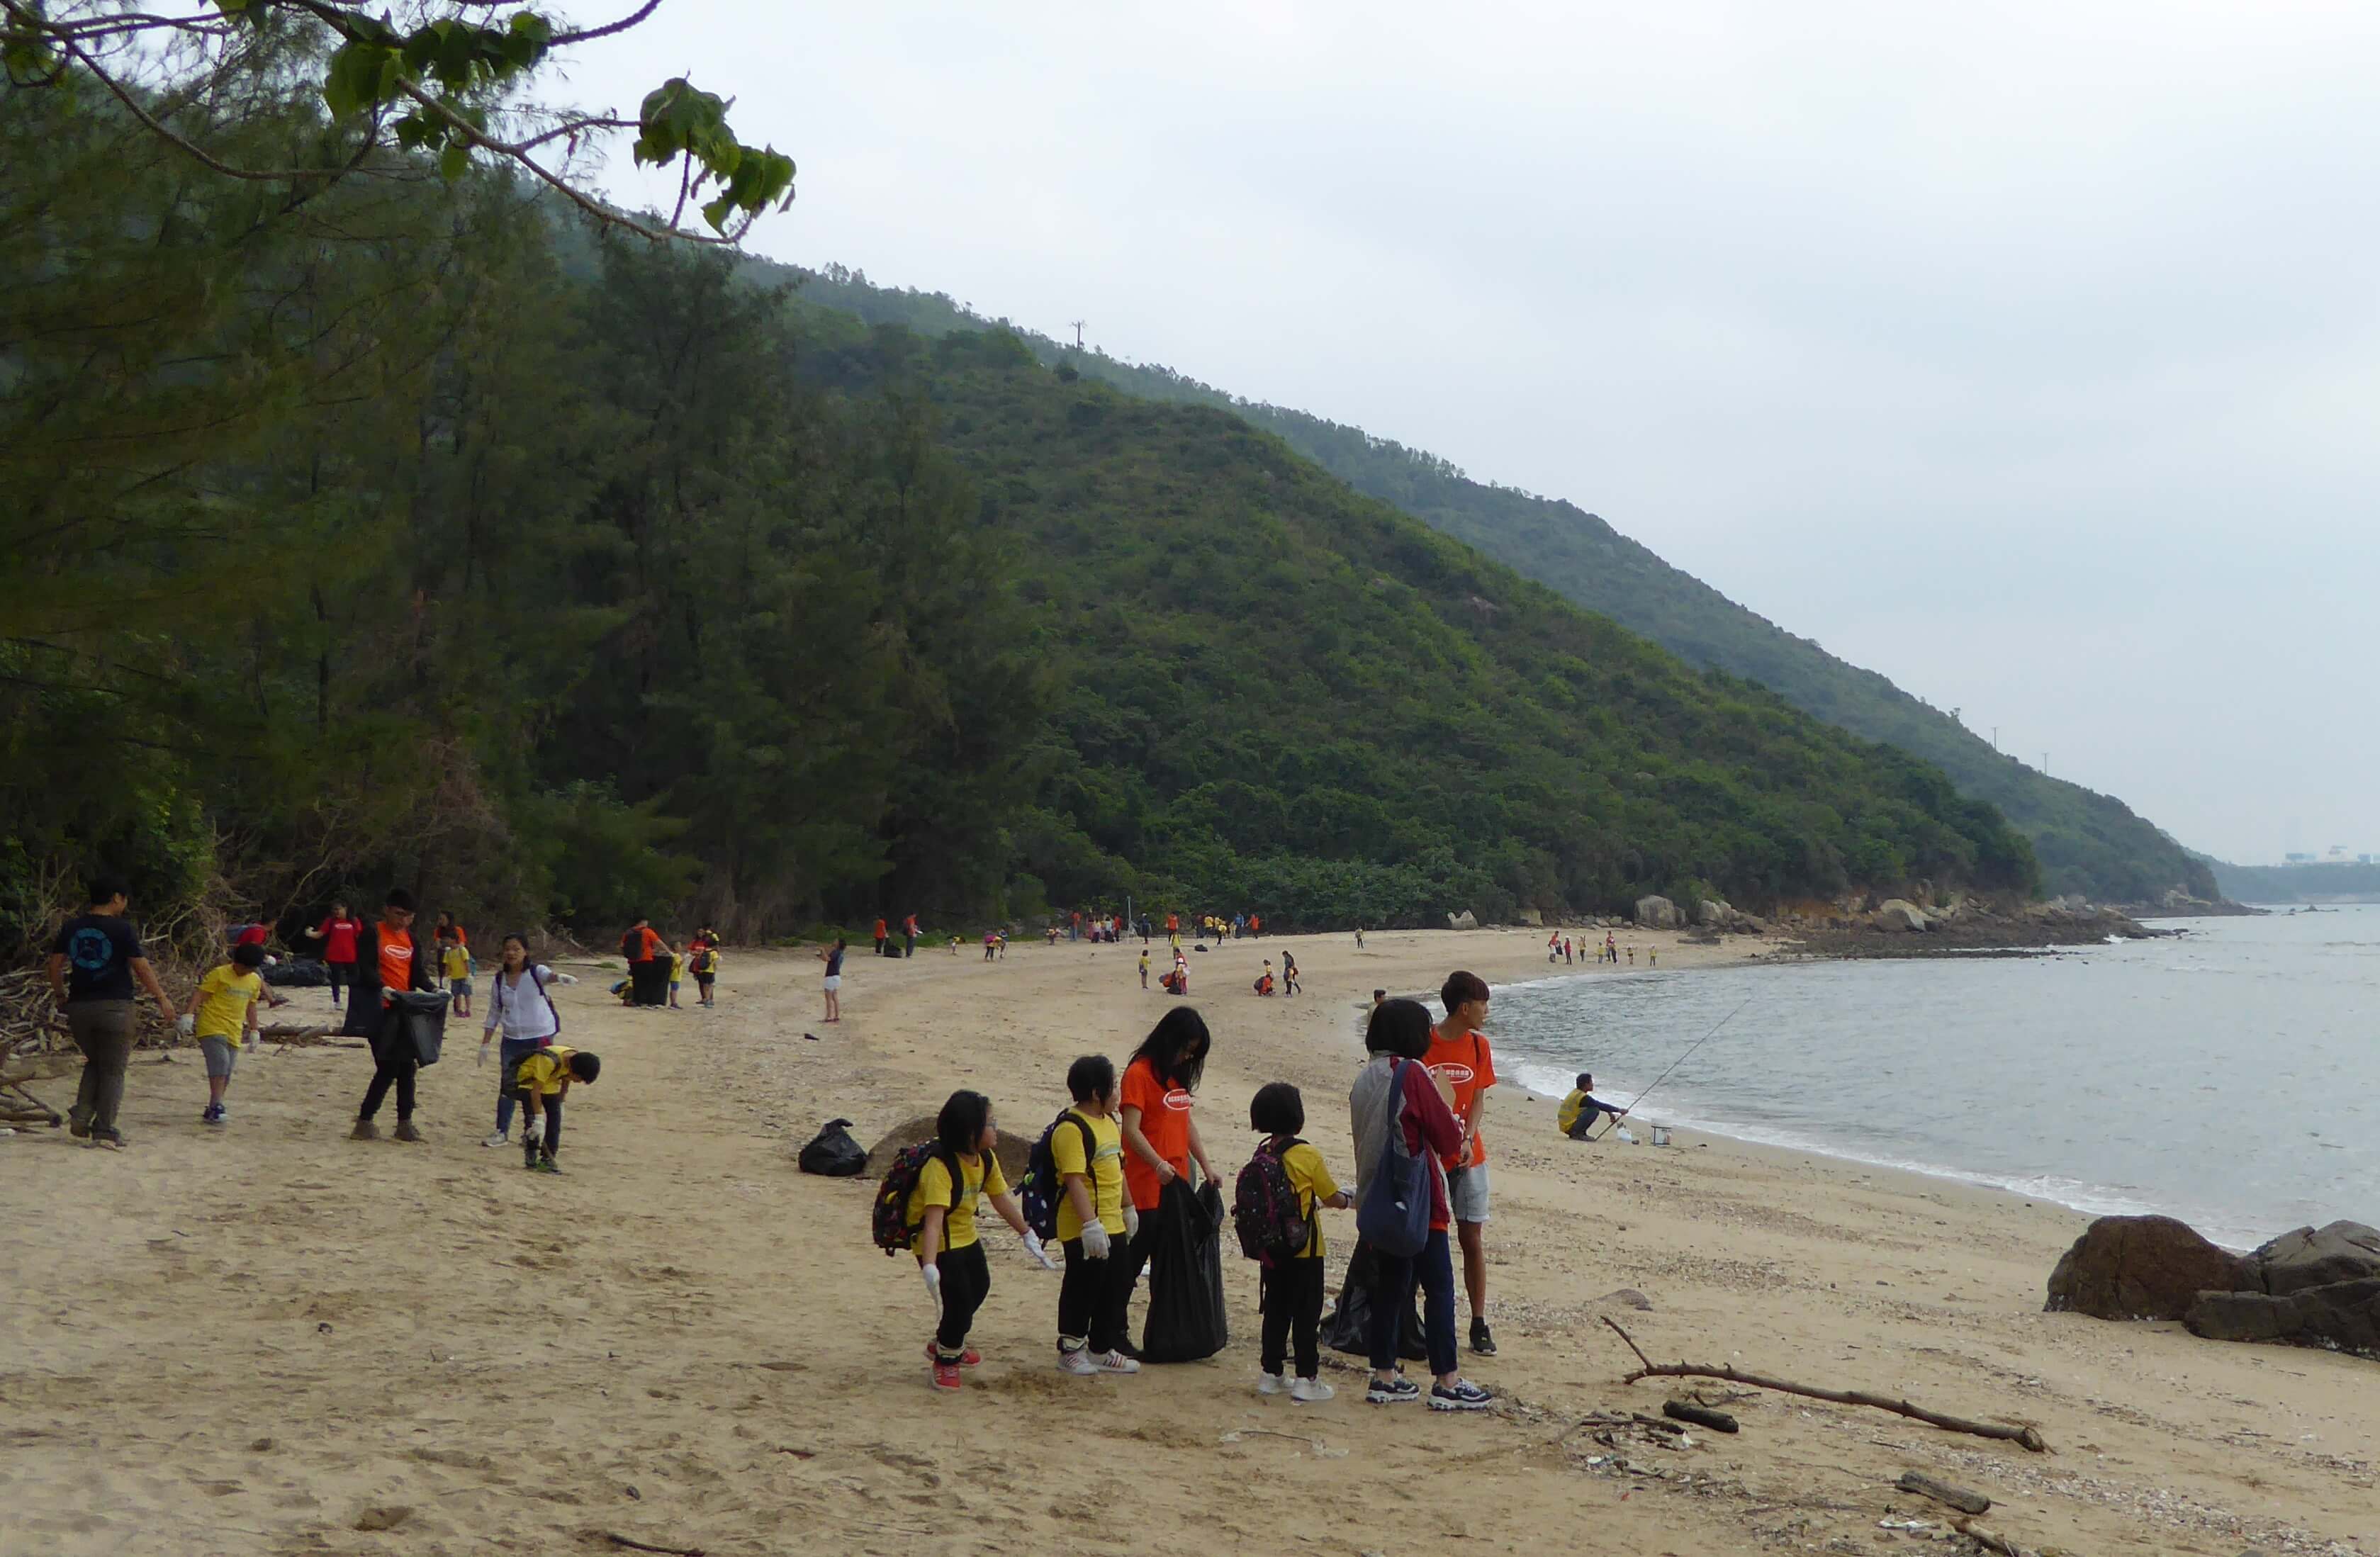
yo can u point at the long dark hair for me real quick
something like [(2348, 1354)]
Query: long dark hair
[(1178, 1030), (959, 1126), (1399, 1027)]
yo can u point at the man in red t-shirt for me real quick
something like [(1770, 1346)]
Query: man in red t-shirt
[(337, 933), (1460, 1061)]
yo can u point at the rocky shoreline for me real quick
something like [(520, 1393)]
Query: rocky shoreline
[(1900, 927)]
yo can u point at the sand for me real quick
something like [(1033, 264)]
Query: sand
[(268, 1339)]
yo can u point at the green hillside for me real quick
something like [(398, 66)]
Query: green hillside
[(384, 530), (2086, 842)]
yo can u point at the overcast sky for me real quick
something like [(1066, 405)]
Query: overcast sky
[(2026, 354)]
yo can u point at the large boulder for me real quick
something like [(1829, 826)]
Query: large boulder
[(2141, 1268), (2343, 1251), (1714, 913), (1657, 913), (1899, 914), (2338, 1315), (1464, 921), (1013, 1150)]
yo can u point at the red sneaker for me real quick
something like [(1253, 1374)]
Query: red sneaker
[(968, 1358), (946, 1374)]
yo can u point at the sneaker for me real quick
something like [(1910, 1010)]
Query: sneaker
[(102, 1135), (499, 1138), (1271, 1383), (1311, 1389), (365, 1130), (1077, 1362), (1482, 1341), (1463, 1396), (968, 1358), (77, 1123), (946, 1374), (213, 1114), (1396, 1390), (406, 1132), (1116, 1362), (547, 1165)]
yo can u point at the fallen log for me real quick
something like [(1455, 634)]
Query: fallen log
[(1966, 1499), (2007, 1432), (1987, 1540), (1703, 1417)]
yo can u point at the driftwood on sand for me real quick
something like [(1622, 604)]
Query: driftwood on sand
[(2028, 1437)]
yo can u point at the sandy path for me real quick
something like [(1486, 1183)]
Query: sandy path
[(260, 1340)]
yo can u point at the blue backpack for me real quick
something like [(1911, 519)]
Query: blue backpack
[(1043, 1187)]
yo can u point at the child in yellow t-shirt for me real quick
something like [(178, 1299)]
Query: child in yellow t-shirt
[(950, 1254), (455, 966), (1291, 1290), (540, 1081), (1094, 1220), (1144, 967), (677, 972), (222, 1011)]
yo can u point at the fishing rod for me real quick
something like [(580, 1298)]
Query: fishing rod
[(1674, 1064)]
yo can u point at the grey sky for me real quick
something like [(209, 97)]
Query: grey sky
[(2026, 354)]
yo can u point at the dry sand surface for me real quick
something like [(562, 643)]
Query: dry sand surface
[(268, 1339)]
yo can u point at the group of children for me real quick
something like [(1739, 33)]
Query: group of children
[(1561, 948), (699, 958), (538, 1070), (1111, 1153)]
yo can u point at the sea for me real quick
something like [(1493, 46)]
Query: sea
[(2229, 1076)]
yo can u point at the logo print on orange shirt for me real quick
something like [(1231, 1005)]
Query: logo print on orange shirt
[(1178, 1100), (1453, 1073)]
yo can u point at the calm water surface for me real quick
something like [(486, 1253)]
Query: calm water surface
[(2230, 1077)]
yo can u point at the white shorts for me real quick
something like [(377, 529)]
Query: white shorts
[(833, 982)]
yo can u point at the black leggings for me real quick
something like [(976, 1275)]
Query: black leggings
[(967, 1281), (1293, 1304), (550, 1109), (343, 974), (1092, 1296)]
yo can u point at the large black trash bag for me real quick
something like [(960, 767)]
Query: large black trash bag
[(832, 1152), (1186, 1278), (1346, 1328), (417, 1023)]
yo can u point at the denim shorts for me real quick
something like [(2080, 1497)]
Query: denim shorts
[(219, 1056), (1466, 1193), (459, 988)]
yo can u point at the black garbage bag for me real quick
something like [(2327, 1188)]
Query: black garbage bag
[(832, 1152), (296, 973), (1347, 1327), (416, 1021), (1186, 1278)]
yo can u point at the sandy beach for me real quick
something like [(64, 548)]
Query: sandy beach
[(268, 1339)]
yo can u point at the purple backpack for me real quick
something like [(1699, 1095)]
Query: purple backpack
[(1270, 1215)]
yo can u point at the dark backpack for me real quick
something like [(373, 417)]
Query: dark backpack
[(889, 1222), (1043, 1187), (1271, 1216)]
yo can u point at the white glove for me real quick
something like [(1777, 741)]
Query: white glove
[(483, 1049), (534, 1131), (933, 1283), (1095, 1241), (185, 1024), (566, 978), (1033, 1246), (1131, 1220)]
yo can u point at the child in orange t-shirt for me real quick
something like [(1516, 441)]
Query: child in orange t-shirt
[(1160, 1138), (1459, 1059)]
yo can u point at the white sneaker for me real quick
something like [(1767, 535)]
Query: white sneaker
[(499, 1138), (1271, 1384), (1116, 1362), (1078, 1361), (1310, 1390)]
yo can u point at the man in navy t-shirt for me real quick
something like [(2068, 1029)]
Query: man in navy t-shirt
[(93, 963)]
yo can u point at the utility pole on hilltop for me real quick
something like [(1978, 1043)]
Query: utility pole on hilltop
[(1078, 333), (1996, 737)]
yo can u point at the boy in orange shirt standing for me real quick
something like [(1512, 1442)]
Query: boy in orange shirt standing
[(1459, 1059)]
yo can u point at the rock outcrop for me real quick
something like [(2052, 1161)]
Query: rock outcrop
[(2310, 1287), (2141, 1268), (1014, 1151), (1464, 921), (1658, 913), (1899, 914)]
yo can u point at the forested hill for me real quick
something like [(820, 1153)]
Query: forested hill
[(2086, 842), (384, 536)]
